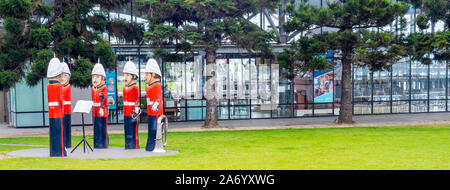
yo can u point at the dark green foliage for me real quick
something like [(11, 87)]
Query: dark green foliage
[(32, 28), (40, 38), (81, 74), (20, 9), (39, 68), (13, 26), (378, 50), (128, 31), (185, 24), (104, 51)]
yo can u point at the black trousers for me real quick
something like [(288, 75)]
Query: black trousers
[(152, 125), (67, 130), (100, 132), (56, 138), (131, 133)]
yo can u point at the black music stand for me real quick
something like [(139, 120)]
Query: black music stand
[(83, 107)]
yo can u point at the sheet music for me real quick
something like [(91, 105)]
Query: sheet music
[(83, 106)]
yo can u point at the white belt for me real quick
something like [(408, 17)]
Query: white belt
[(149, 102), (128, 103), (53, 104), (97, 104), (67, 103)]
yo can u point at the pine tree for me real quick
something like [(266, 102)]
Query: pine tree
[(348, 21), (184, 24), (70, 28)]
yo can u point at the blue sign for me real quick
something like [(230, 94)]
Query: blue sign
[(111, 88)]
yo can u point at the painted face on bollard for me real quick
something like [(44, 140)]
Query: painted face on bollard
[(65, 79), (128, 79), (97, 80), (148, 78)]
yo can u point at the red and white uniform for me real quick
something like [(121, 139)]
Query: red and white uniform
[(55, 100), (154, 94), (97, 102), (67, 99), (130, 99)]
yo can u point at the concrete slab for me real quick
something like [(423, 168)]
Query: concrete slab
[(112, 152)]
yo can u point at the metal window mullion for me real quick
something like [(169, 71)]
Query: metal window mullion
[(428, 87), (410, 84), (371, 94), (353, 88), (390, 99), (446, 85), (228, 85)]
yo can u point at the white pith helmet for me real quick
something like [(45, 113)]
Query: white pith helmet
[(130, 68), (152, 67), (65, 67), (55, 67), (98, 69)]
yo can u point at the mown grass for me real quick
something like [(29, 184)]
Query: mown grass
[(403, 148)]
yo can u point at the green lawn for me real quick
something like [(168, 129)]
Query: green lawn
[(404, 148)]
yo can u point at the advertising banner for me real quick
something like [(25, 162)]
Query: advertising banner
[(111, 87)]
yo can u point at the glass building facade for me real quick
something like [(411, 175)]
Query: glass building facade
[(409, 87), (251, 87)]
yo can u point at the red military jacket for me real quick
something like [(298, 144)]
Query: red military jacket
[(154, 94), (55, 100), (130, 98), (67, 99), (97, 102)]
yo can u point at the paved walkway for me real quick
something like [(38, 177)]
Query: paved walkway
[(253, 124)]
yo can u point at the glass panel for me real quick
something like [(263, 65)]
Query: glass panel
[(382, 86), (284, 94), (261, 111), (29, 98), (303, 89), (381, 107), (437, 105), (239, 112), (194, 78), (196, 113), (47, 120), (29, 119), (419, 106), (222, 112), (323, 109), (419, 84), (175, 114), (282, 111), (301, 110), (337, 108), (400, 107), (120, 114), (45, 94), (400, 81), (362, 108), (260, 82), (222, 80), (437, 80), (174, 84), (13, 99), (362, 88), (196, 103)]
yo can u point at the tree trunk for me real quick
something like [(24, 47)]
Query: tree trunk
[(210, 92), (345, 113)]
